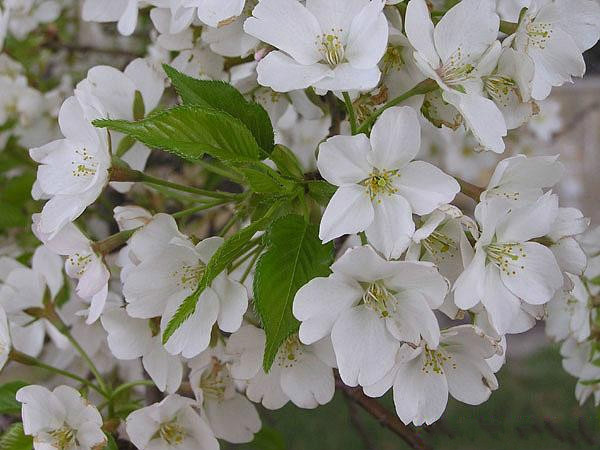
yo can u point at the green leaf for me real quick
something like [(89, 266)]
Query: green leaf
[(191, 131), (111, 444), (15, 439), (294, 256), (264, 180), (287, 162), (8, 402), (139, 109), (595, 280), (268, 439), (222, 96), (234, 247), (321, 191)]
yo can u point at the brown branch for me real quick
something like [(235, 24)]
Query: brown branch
[(384, 417), (470, 190)]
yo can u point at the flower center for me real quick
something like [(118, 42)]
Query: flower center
[(379, 298), (435, 360), (188, 276), (215, 381), (380, 182), (500, 88), (440, 246), (505, 256), (392, 59), (331, 47), (538, 33), (455, 71), (85, 166), (172, 433), (63, 438), (289, 352), (80, 262)]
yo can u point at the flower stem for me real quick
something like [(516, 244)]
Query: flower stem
[(27, 360), (113, 242), (218, 169), (126, 386), (422, 88), (195, 209), (351, 112), (120, 172), (51, 315), (148, 179)]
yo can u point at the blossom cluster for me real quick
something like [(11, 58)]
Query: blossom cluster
[(304, 241)]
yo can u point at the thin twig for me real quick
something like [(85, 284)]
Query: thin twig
[(357, 424), (336, 114), (384, 417)]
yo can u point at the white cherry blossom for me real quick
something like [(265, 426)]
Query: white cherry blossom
[(508, 266), (555, 34), (73, 171), (230, 414), (522, 179), (423, 377), (390, 302), (380, 186), (300, 373), (60, 419), (82, 263), (328, 44), (169, 425), (453, 53)]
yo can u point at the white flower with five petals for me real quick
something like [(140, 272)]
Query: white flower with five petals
[(380, 186), (370, 306), (328, 44), (169, 425), (422, 377), (230, 414), (508, 266), (60, 419)]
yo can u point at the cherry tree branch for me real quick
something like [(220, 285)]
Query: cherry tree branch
[(469, 189), (385, 418)]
